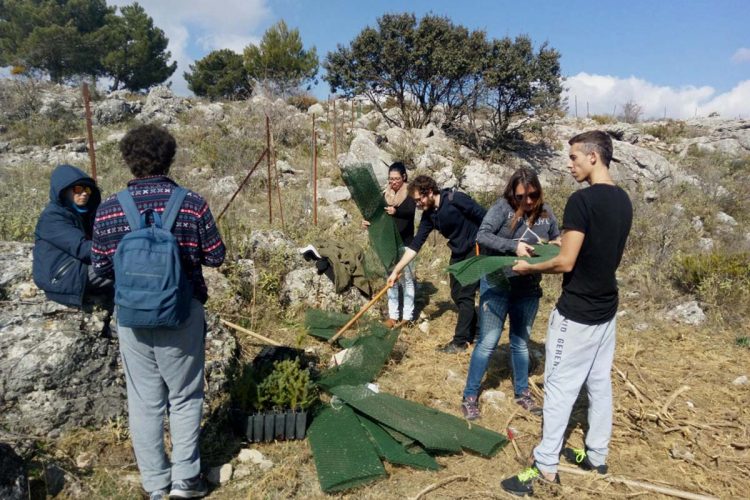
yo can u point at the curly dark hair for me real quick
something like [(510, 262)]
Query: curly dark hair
[(148, 150), (424, 185)]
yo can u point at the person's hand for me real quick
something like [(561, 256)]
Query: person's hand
[(522, 267), (365, 224), (524, 249), (390, 210), (392, 279)]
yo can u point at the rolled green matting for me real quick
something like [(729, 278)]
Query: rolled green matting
[(343, 453), (324, 324), (368, 196), (472, 269), (394, 452), (434, 429), (366, 357)]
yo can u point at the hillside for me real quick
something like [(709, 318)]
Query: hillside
[(683, 351)]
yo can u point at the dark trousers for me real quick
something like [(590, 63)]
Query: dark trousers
[(463, 297)]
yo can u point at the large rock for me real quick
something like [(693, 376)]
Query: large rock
[(305, 288), (60, 367), (363, 149), (113, 110), (162, 106)]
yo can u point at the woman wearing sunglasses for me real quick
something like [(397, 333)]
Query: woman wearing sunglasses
[(62, 248), (518, 220)]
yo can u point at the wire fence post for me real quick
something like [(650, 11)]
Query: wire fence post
[(335, 131), (315, 173), (268, 165), (272, 151), (242, 184), (89, 129)]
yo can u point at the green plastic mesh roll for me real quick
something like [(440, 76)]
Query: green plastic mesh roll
[(343, 453), (472, 269), (324, 324), (368, 196), (394, 452), (367, 355), (434, 429)]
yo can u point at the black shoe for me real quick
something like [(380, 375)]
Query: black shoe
[(577, 456), (195, 487), (451, 348), (522, 484)]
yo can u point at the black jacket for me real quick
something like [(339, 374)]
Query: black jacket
[(62, 246), (458, 218)]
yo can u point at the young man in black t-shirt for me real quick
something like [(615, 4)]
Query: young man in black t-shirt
[(457, 217), (581, 333)]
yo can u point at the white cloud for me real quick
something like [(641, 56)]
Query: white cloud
[(741, 55), (205, 26), (605, 94)]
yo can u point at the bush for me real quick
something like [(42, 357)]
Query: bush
[(302, 101), (671, 130), (603, 119), (731, 272), (287, 386)]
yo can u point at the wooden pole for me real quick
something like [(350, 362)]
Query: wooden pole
[(637, 484), (576, 104), (335, 132), (351, 114), (359, 314), (268, 164), (278, 185), (315, 173), (89, 129), (252, 334), (244, 181)]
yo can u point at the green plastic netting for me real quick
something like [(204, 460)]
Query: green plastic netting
[(367, 355), (368, 195), (472, 269), (343, 453), (434, 429), (394, 452), (324, 324)]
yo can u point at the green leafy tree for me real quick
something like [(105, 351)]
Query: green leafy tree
[(137, 56), (280, 61), (419, 64), (56, 37), (219, 75)]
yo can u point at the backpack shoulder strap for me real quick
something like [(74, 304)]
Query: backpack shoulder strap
[(172, 208), (130, 209)]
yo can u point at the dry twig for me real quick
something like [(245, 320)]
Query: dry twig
[(439, 484)]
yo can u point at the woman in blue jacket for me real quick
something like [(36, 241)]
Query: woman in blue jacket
[(62, 248)]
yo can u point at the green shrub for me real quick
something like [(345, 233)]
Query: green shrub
[(671, 130), (286, 386), (302, 101), (603, 119), (731, 271)]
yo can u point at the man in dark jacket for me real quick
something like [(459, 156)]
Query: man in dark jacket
[(457, 217), (62, 248)]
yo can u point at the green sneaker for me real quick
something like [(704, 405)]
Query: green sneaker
[(577, 456), (522, 484)]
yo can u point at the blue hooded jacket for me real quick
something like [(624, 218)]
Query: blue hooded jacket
[(62, 247)]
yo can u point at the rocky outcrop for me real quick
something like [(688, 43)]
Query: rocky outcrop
[(162, 106), (60, 367), (304, 288)]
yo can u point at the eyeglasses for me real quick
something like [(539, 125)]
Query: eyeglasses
[(394, 179), (533, 196), (81, 190)]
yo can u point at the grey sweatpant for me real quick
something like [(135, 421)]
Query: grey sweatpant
[(576, 354), (164, 373)]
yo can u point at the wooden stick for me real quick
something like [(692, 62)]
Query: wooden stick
[(670, 400), (89, 129), (278, 184), (252, 334), (315, 172), (268, 165), (247, 177), (437, 485), (637, 484), (360, 313)]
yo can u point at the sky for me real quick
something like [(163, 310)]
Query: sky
[(674, 58)]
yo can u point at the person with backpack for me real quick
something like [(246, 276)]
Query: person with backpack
[(457, 217), (153, 238), (62, 239)]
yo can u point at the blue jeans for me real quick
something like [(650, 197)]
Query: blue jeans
[(495, 303)]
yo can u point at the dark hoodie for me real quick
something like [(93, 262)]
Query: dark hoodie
[(62, 247)]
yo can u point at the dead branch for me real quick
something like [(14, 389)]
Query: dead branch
[(439, 484), (663, 412)]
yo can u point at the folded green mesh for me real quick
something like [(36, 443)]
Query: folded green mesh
[(324, 324), (434, 429), (385, 239), (394, 452), (343, 453), (472, 269), (367, 355)]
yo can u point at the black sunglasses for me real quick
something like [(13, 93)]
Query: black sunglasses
[(532, 196)]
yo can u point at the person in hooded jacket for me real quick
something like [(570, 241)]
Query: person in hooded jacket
[(62, 247)]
